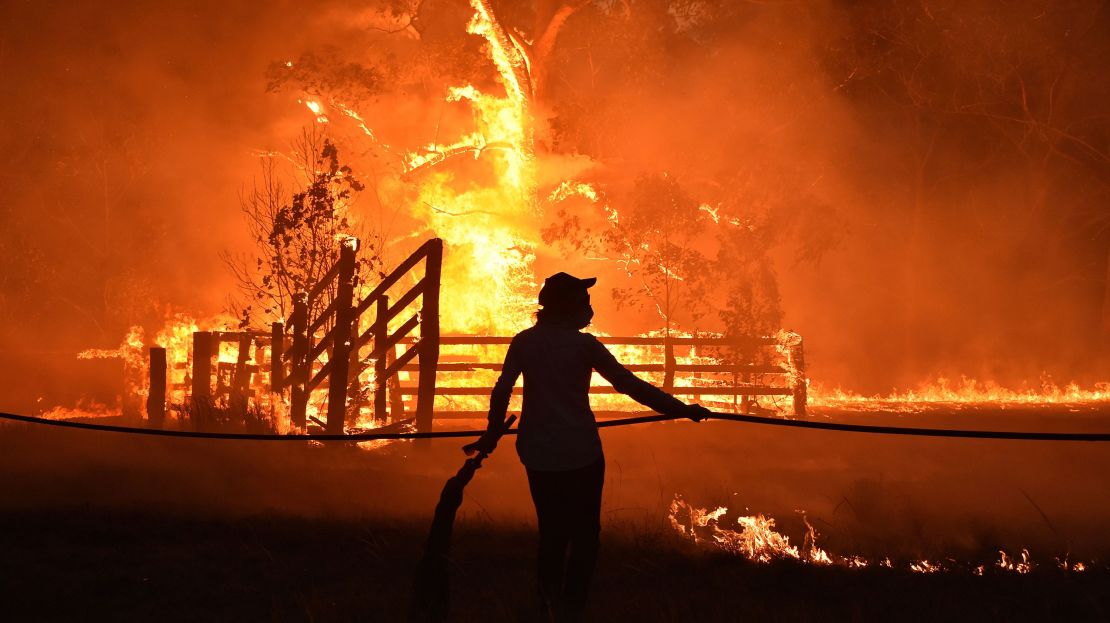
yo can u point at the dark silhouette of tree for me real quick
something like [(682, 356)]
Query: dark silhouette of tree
[(297, 236)]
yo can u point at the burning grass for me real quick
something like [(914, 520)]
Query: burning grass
[(964, 393), (756, 538)]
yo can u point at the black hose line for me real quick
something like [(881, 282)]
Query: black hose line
[(747, 419)]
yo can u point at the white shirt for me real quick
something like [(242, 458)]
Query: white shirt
[(558, 431)]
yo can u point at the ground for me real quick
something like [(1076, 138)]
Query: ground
[(80, 563), (102, 526)]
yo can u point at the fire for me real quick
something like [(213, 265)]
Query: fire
[(757, 539), (83, 409), (491, 228), (569, 189), (924, 566), (1073, 567), (507, 57), (1007, 563), (966, 393), (317, 109)]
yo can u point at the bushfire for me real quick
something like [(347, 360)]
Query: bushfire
[(755, 538), (787, 206), (492, 224)]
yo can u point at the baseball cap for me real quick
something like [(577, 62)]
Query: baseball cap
[(562, 288)]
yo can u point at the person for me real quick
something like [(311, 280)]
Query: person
[(558, 440)]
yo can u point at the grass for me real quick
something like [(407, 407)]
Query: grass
[(83, 563)]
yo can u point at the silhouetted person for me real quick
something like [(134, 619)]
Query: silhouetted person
[(558, 441)]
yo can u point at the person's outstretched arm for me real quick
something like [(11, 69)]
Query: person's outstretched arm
[(622, 379), (499, 400)]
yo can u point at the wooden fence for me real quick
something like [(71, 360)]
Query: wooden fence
[(334, 347), (738, 379)]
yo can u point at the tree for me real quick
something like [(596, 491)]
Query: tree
[(657, 235), (297, 237), (535, 52)]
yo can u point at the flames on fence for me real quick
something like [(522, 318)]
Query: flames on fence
[(474, 365), (682, 363), (756, 538)]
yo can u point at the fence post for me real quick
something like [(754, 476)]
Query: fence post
[(340, 360), (354, 385), (202, 378), (299, 366), (156, 400), (429, 338), (277, 349), (241, 378), (746, 378), (393, 383), (800, 386), (381, 334)]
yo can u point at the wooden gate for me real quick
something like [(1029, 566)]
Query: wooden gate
[(296, 357)]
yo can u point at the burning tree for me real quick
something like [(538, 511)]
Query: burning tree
[(482, 190)]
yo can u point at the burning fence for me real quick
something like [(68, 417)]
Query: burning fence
[(362, 353)]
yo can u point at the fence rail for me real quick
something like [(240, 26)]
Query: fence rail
[(727, 378)]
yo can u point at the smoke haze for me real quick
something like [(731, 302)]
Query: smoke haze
[(927, 222)]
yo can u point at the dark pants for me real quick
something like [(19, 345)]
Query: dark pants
[(568, 507)]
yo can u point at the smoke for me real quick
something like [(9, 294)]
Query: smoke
[(129, 131), (919, 219)]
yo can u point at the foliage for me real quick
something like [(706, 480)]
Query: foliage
[(297, 238), (327, 71), (658, 236)]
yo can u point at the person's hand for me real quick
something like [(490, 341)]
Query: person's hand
[(481, 445), (697, 413)]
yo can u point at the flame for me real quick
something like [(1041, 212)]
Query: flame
[(757, 539), (924, 566), (967, 392), (317, 109), (489, 228), (1007, 563), (570, 189), (507, 57), (83, 409)]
